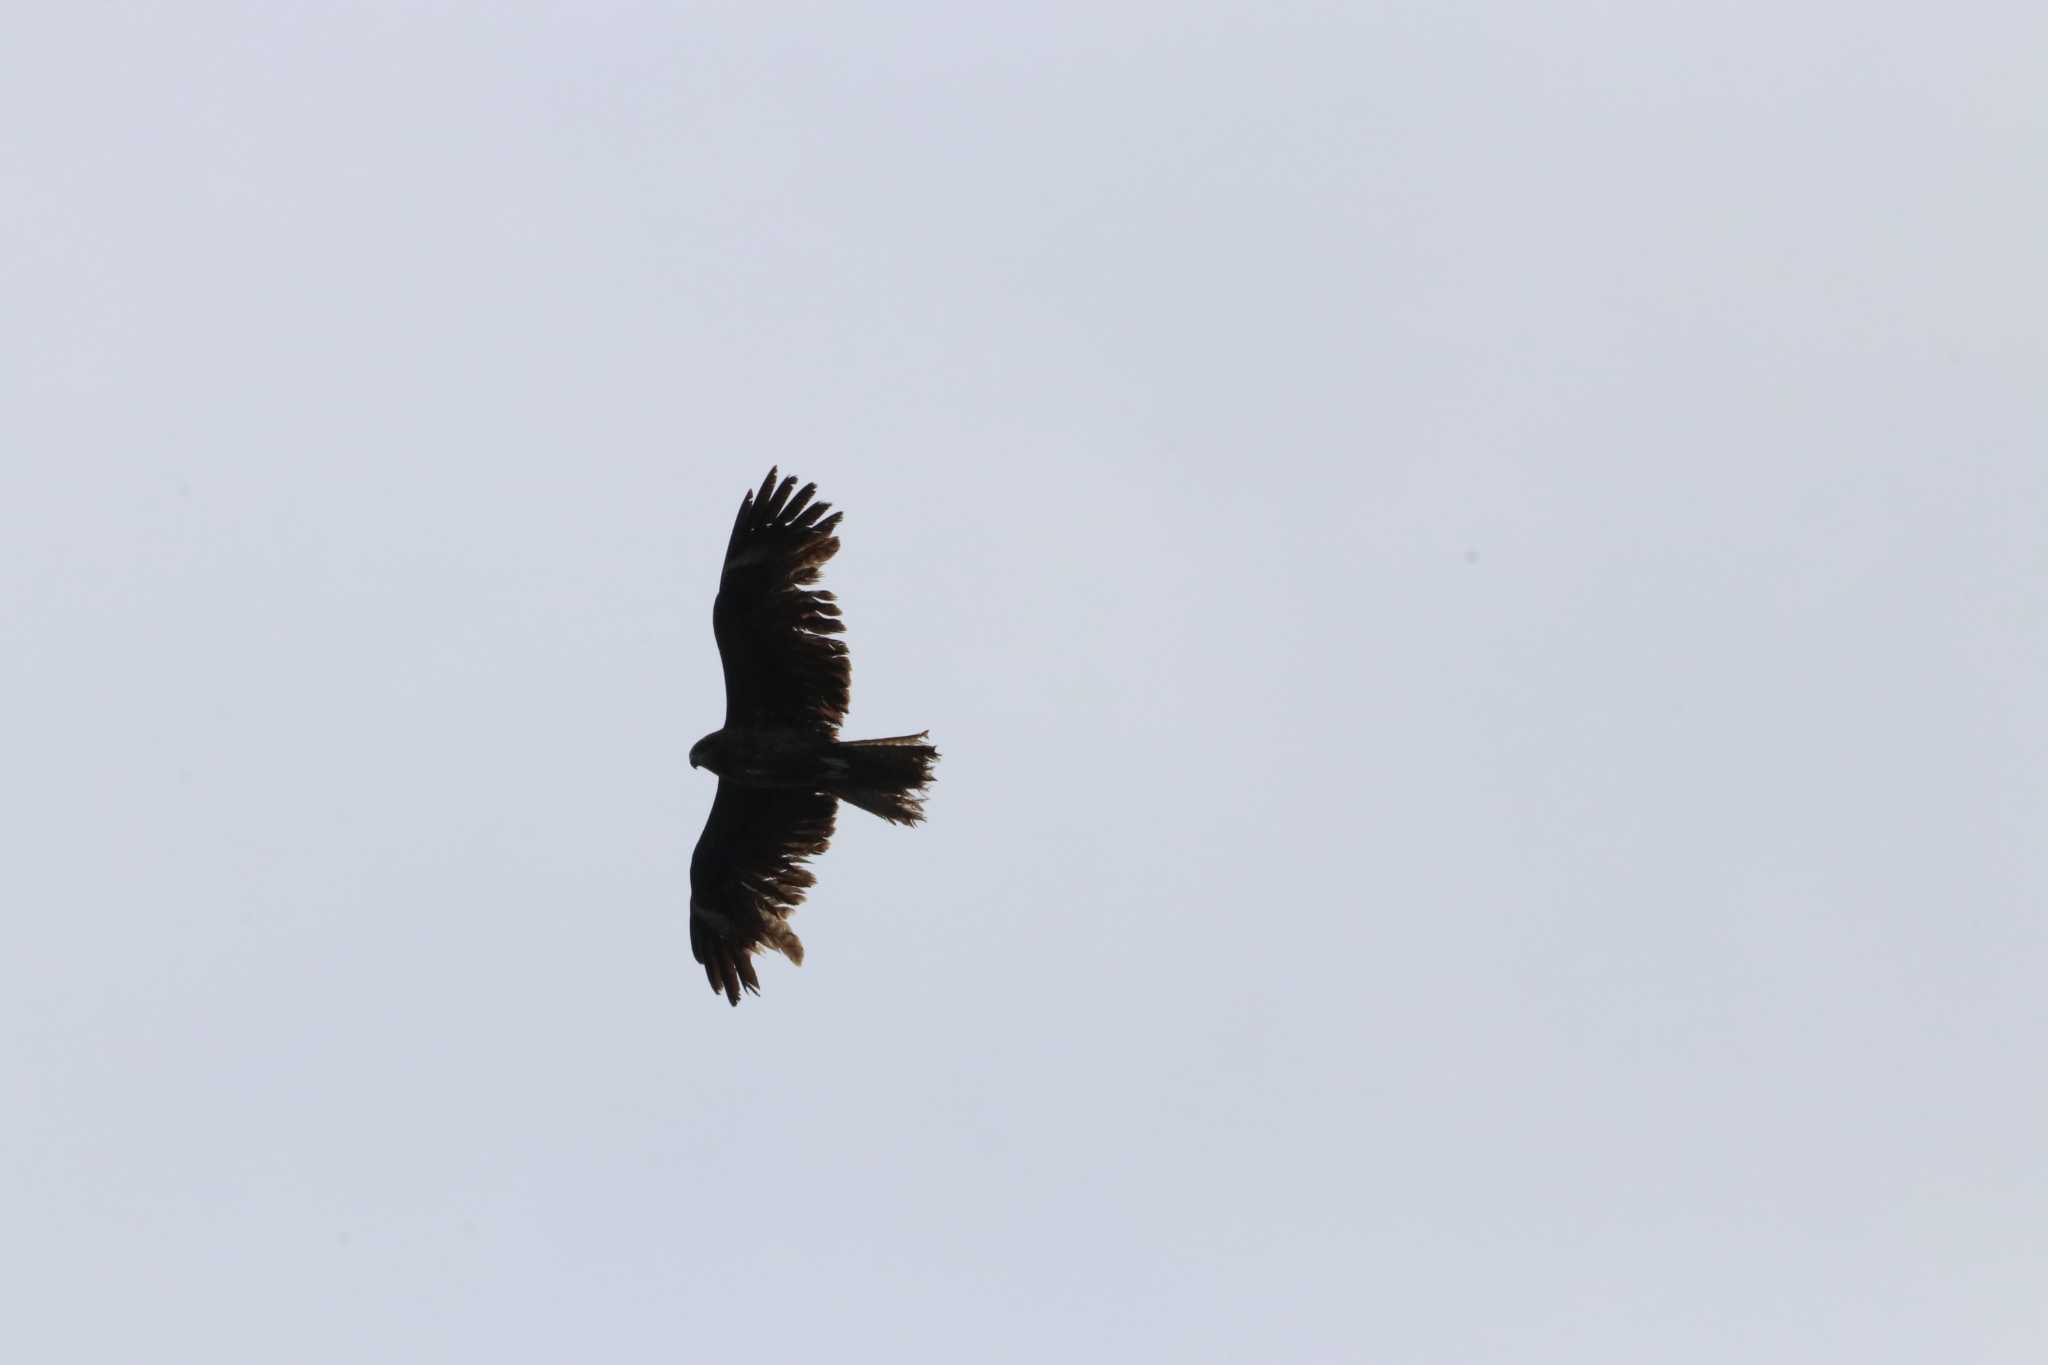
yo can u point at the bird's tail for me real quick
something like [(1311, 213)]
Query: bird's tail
[(885, 776)]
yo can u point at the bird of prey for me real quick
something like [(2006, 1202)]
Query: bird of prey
[(781, 769)]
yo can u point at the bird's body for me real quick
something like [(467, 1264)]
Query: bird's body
[(782, 770), (764, 757)]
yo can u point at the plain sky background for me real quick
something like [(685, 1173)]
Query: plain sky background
[(1479, 570)]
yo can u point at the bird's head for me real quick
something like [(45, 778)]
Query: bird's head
[(702, 753)]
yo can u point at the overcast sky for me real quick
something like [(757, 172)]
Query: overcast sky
[(1478, 569)]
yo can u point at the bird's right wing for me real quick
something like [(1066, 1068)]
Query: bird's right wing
[(747, 875)]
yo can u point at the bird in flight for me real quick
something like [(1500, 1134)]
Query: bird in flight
[(782, 770)]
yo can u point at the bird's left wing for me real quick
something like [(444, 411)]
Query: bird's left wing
[(747, 875), (783, 666)]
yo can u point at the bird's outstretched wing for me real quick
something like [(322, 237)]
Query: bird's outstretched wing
[(747, 875), (782, 666)]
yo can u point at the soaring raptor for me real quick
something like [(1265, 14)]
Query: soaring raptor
[(782, 770)]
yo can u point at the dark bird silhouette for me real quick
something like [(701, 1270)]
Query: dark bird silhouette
[(782, 770)]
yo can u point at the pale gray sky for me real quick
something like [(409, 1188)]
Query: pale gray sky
[(1479, 570)]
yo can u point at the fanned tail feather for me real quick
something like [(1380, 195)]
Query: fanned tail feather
[(886, 777)]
